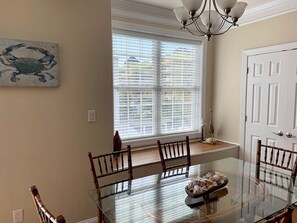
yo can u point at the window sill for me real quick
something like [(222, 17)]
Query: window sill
[(150, 143)]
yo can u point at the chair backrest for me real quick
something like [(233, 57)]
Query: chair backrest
[(277, 162), (283, 217), (44, 214), (112, 169), (175, 154)]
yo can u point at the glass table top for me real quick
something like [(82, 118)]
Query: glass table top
[(157, 198)]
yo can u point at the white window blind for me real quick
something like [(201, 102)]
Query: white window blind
[(156, 85)]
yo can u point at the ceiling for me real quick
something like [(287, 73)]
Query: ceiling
[(160, 11), (170, 4)]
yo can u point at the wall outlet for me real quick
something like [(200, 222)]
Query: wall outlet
[(18, 216), (91, 115)]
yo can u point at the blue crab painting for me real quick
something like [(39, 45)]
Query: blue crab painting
[(28, 63)]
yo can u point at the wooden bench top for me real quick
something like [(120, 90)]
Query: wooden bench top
[(151, 155)]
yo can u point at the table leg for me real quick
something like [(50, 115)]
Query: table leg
[(207, 203)]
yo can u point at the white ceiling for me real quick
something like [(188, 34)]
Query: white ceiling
[(170, 4), (160, 11)]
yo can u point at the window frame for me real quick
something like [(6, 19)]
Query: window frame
[(151, 141)]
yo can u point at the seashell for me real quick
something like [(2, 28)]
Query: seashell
[(210, 141), (208, 175), (195, 182), (221, 181), (196, 187), (216, 177)]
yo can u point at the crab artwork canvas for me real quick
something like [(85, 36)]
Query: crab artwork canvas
[(28, 63)]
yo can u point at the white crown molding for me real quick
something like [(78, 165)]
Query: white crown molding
[(177, 33), (137, 11), (268, 10), (141, 12)]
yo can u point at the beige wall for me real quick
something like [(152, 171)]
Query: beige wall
[(44, 134), (228, 51), (45, 130)]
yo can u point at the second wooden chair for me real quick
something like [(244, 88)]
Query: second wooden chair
[(175, 154)]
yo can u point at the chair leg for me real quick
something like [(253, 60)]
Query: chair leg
[(99, 216)]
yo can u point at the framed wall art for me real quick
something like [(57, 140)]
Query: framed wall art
[(28, 63)]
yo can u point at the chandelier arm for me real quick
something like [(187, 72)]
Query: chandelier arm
[(225, 19), (199, 29), (217, 34), (220, 26), (209, 8), (193, 21), (193, 32)]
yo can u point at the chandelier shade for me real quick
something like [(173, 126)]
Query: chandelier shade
[(190, 5), (226, 4), (209, 17), (181, 15), (238, 10)]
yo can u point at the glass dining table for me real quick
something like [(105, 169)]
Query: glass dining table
[(156, 198)]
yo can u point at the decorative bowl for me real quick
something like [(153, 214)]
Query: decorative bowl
[(210, 182)]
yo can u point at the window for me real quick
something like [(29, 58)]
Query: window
[(156, 83)]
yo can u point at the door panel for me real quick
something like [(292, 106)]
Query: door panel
[(256, 103), (273, 101)]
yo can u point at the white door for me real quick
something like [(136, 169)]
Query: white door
[(290, 130), (268, 101)]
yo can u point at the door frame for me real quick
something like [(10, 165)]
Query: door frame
[(245, 56)]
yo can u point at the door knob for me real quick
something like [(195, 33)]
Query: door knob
[(279, 133), (289, 135)]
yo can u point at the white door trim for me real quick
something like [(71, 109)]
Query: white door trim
[(246, 55)]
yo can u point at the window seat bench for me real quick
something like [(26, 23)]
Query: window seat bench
[(147, 161)]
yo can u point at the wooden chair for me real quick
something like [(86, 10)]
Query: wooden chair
[(283, 217), (45, 215), (114, 170), (277, 163), (175, 154)]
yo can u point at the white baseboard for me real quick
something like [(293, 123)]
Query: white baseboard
[(91, 220)]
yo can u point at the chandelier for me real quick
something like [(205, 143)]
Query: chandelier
[(208, 22)]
